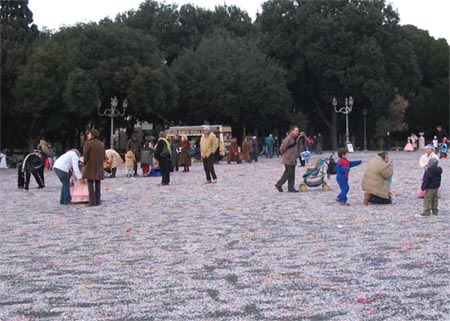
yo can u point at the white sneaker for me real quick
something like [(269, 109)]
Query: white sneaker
[(214, 180)]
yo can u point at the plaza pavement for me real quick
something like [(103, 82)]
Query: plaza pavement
[(235, 250)]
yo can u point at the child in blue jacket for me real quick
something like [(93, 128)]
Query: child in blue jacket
[(343, 168)]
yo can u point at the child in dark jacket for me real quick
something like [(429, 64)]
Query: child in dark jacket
[(430, 184), (342, 169)]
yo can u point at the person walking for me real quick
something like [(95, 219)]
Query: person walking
[(67, 162), (289, 151), (208, 145), (94, 157), (431, 183), (163, 154)]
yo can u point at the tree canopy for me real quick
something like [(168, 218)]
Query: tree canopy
[(228, 79), (192, 65)]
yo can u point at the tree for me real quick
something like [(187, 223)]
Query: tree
[(339, 48), (17, 35), (228, 79), (67, 75), (176, 29), (430, 98)]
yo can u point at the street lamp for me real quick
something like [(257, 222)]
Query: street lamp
[(347, 109), (364, 112), (111, 113)]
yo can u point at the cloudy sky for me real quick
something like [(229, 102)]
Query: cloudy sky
[(431, 15)]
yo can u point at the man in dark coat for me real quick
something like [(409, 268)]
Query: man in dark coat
[(94, 157), (163, 154)]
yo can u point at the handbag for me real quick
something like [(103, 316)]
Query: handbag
[(236, 153)]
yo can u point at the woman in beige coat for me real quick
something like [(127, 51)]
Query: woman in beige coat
[(376, 182)]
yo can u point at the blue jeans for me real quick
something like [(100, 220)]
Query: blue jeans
[(65, 197)]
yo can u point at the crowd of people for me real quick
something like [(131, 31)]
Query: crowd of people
[(83, 174)]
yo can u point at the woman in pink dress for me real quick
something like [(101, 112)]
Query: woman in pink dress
[(409, 146)]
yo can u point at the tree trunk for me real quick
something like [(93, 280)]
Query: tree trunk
[(331, 125)]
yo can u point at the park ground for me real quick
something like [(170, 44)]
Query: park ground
[(234, 250)]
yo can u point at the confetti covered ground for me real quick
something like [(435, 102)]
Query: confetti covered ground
[(235, 250)]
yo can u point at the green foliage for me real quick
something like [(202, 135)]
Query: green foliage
[(176, 29), (339, 48), (227, 79), (430, 99), (17, 36), (76, 67)]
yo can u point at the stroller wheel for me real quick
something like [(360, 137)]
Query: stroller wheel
[(325, 187), (303, 187)]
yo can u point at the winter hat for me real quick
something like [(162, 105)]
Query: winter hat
[(429, 146), (432, 162)]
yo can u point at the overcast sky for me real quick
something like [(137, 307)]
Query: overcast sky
[(431, 15)]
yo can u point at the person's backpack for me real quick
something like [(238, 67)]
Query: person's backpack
[(331, 170), (165, 151)]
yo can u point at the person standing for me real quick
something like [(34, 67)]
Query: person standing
[(208, 145), (270, 142), (303, 146), (94, 157), (130, 161), (175, 144), (441, 133), (319, 143), (183, 156), (431, 183), (146, 158), (163, 154), (255, 149), (134, 145), (289, 151), (69, 161), (246, 150)]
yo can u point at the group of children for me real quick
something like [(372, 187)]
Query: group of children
[(431, 180)]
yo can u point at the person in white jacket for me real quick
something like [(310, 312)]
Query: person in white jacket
[(429, 153), (66, 163)]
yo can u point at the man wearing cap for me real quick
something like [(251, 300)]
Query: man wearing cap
[(94, 157), (208, 146), (429, 153)]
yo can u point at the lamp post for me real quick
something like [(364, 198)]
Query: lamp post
[(347, 109), (111, 113), (364, 112)]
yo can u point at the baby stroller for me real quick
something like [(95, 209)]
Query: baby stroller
[(315, 176)]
